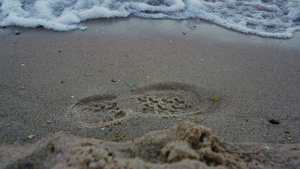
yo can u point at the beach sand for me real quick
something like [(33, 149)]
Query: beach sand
[(77, 84)]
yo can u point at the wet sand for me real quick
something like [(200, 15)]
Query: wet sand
[(183, 70)]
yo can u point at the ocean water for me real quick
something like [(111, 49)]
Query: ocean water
[(269, 18)]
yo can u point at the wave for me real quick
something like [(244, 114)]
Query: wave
[(269, 18)]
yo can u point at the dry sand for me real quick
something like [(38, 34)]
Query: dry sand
[(183, 70)]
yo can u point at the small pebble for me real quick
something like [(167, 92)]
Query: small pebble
[(72, 97), (183, 33), (193, 28), (58, 156), (23, 64), (93, 165), (30, 136), (16, 32), (102, 129), (113, 80), (202, 60), (87, 74), (273, 121)]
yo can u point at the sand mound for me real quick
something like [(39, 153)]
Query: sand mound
[(185, 145)]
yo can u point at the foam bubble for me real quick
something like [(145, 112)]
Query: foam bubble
[(269, 18)]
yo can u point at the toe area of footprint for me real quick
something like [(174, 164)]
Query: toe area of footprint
[(170, 99), (166, 103)]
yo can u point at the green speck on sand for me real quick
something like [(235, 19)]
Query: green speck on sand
[(214, 99), (131, 84)]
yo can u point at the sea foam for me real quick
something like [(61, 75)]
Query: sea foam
[(270, 18)]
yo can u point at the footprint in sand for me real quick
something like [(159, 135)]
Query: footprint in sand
[(162, 100), (169, 99), (98, 111), (166, 103), (163, 105)]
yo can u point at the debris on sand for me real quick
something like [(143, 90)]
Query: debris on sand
[(274, 121), (131, 84), (214, 99), (16, 32), (31, 136)]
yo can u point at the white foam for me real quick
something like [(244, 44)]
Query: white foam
[(271, 18)]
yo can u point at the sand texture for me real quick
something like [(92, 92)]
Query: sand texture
[(139, 93), (185, 145)]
